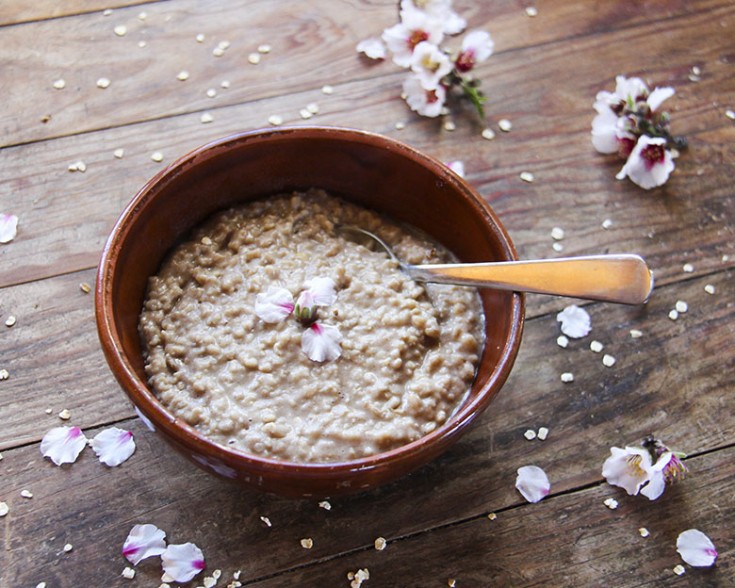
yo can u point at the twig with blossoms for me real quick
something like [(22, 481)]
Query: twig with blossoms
[(629, 123), (435, 72)]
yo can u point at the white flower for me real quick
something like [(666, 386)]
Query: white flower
[(477, 46), (575, 322), (608, 130), (275, 305), (696, 548), (144, 541), (628, 468), (430, 64), (440, 10), (372, 48), (182, 562), (656, 98), (8, 227), (425, 102), (317, 292), (457, 167), (63, 444), (321, 342), (532, 483), (649, 164), (113, 446), (416, 26)]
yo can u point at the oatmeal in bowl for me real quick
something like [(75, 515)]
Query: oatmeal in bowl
[(271, 348)]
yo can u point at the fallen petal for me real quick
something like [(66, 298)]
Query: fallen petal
[(144, 541), (63, 444), (321, 342), (696, 548), (113, 446), (182, 562), (372, 48), (532, 483), (8, 227), (275, 305), (457, 167), (575, 321)]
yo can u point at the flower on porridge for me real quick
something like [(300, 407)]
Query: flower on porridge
[(144, 541), (63, 444), (8, 227), (533, 483), (113, 446), (629, 122), (435, 71), (645, 470), (320, 342), (696, 548)]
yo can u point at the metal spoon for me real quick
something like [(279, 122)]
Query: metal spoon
[(614, 278)]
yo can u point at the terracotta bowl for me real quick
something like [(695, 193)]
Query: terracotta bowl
[(368, 169)]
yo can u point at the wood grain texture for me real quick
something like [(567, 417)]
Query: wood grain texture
[(16, 12)]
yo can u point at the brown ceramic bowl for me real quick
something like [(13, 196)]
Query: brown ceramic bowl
[(368, 169)]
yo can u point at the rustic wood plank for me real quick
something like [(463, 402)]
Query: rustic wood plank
[(16, 11), (312, 44)]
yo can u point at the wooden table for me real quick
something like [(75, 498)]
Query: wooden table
[(677, 380)]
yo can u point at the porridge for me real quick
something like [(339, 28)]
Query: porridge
[(407, 351)]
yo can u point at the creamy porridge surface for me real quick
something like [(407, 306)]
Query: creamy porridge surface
[(409, 350)]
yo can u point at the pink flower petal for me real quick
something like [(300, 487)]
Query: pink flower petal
[(144, 541), (182, 562), (372, 48), (575, 322), (63, 444), (322, 291), (696, 548), (275, 305), (113, 446), (649, 164), (630, 469), (532, 483), (321, 342), (8, 227), (457, 167)]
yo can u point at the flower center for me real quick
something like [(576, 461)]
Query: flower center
[(652, 154), (634, 465), (416, 37)]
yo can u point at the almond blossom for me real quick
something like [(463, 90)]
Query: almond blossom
[(441, 10), (144, 541), (372, 48), (182, 562), (415, 26), (430, 64), (696, 548), (425, 102), (8, 227), (477, 46), (63, 444), (533, 483), (113, 446), (649, 164)]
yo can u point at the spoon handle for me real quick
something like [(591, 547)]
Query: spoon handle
[(614, 278)]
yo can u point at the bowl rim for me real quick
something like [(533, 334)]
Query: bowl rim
[(145, 401)]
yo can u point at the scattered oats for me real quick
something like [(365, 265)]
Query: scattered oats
[(164, 585), (224, 45), (107, 12), (103, 83), (41, 585), (1, 456), (673, 314), (4, 374), (694, 78), (380, 543), (211, 93), (325, 505), (182, 76), (48, 411), (531, 11), (452, 583), (4, 509), (358, 577), (730, 114), (26, 494), (450, 126), (84, 287), (562, 341), (636, 334), (527, 177), (65, 414), (608, 360), (68, 547), (45, 118), (557, 233), (10, 321), (725, 258), (120, 30), (709, 288), (225, 84), (696, 70), (254, 58), (128, 573), (265, 48), (543, 433), (267, 521), (679, 570), (142, 44), (209, 582), (505, 125), (681, 306), (558, 247), (118, 153), (78, 166), (643, 532), (688, 268), (400, 126), (206, 118), (236, 575), (607, 223), (307, 543), (567, 377), (218, 52), (59, 84), (530, 434), (313, 107), (206, 241), (165, 577), (596, 346), (275, 120), (611, 503), (217, 574), (305, 114), (157, 156), (492, 516), (488, 134), (200, 38), (327, 90)]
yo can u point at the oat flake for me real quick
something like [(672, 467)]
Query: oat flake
[(557, 233), (26, 494), (492, 516), (103, 83), (4, 374), (530, 434), (183, 75), (673, 314), (325, 505), (120, 30), (68, 547), (118, 153), (10, 321), (380, 543), (275, 120), (688, 268), (450, 126), (562, 341), (157, 156), (636, 334), (400, 126), (225, 84), (527, 177), (643, 532), (543, 433), (206, 118), (4, 509), (531, 11), (65, 414), (505, 125), (211, 93), (567, 377), (709, 288), (596, 346), (607, 223), (265, 48), (608, 360), (558, 247), (327, 90), (305, 114), (307, 543), (679, 570), (254, 58), (730, 114), (200, 38), (488, 134), (128, 573), (59, 84), (84, 287), (611, 503), (267, 521), (681, 306)]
